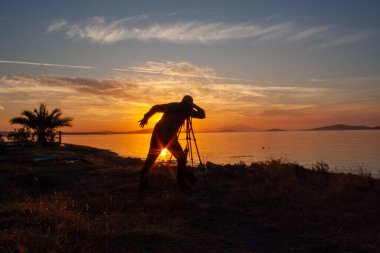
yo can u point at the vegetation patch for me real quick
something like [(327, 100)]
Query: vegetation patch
[(87, 200)]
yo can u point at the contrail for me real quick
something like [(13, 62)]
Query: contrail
[(46, 64)]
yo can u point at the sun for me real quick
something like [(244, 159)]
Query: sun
[(163, 152)]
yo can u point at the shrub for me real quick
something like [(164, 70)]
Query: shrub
[(21, 135), (320, 166)]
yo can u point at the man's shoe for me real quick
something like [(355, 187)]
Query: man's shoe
[(192, 179), (190, 175), (184, 186), (144, 186)]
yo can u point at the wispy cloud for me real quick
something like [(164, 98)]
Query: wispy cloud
[(180, 69), (173, 68), (138, 92), (98, 30), (311, 32), (273, 16), (60, 84), (56, 25), (126, 97), (319, 80), (45, 64), (347, 39)]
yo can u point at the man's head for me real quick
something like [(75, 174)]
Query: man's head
[(187, 101)]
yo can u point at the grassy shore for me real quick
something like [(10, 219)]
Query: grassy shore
[(82, 199)]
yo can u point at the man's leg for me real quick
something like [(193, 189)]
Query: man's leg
[(175, 148), (154, 151), (147, 168)]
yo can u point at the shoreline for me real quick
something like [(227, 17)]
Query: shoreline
[(87, 199), (149, 131), (355, 169)]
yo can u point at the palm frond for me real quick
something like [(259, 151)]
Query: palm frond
[(56, 111), (19, 120), (29, 114)]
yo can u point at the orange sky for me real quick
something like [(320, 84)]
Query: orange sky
[(117, 102)]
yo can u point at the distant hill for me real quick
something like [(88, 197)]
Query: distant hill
[(227, 130), (142, 131), (275, 130), (342, 127), (87, 133), (236, 128)]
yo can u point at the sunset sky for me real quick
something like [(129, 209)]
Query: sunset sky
[(264, 64)]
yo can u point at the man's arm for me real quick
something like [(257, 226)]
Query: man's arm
[(151, 112), (197, 112)]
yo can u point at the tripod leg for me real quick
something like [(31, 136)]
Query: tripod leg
[(176, 149), (192, 136)]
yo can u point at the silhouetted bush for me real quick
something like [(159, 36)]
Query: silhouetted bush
[(320, 166), (21, 135)]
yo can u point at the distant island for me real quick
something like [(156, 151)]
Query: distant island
[(236, 128), (343, 127), (275, 130), (340, 127), (228, 129)]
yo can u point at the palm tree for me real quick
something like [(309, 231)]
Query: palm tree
[(42, 122)]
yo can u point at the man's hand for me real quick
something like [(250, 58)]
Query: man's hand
[(196, 107), (143, 122), (197, 112)]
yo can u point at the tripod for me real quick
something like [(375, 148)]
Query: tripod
[(191, 142)]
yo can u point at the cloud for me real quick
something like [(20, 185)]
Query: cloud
[(347, 39), (128, 96), (180, 69), (138, 92), (68, 85), (145, 88), (287, 110), (45, 64), (57, 25), (97, 29), (173, 68), (311, 32), (319, 80), (183, 69), (273, 16), (356, 83), (143, 84)]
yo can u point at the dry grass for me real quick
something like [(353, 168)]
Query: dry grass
[(87, 200)]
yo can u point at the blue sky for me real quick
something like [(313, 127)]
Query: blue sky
[(288, 64)]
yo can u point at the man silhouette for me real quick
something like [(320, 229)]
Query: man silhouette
[(165, 135)]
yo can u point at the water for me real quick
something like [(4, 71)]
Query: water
[(347, 151)]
